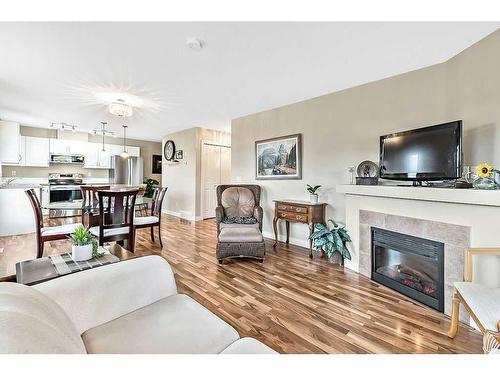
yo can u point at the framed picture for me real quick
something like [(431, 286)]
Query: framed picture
[(179, 154), (279, 158), (156, 169)]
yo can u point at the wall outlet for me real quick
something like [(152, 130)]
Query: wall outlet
[(14, 173), (89, 174)]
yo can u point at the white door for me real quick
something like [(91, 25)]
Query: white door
[(210, 178), (10, 142), (215, 170)]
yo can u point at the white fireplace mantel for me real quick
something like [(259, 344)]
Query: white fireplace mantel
[(477, 209), (461, 196)]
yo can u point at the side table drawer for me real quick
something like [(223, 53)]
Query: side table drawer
[(289, 208), (292, 216)]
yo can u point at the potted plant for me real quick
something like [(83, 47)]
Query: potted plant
[(313, 197), (331, 240), (84, 245), (150, 185)]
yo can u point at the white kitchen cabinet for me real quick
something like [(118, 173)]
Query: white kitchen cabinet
[(67, 147), (95, 157), (36, 151), (10, 142)]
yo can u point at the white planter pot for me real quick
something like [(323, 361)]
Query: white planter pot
[(80, 253), (313, 198)]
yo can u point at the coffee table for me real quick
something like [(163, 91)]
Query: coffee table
[(34, 271)]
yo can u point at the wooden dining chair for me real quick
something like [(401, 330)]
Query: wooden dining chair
[(154, 220), (45, 234), (116, 217), (90, 203)]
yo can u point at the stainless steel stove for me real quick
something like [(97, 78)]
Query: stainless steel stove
[(64, 188)]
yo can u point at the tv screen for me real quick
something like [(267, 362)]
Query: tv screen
[(425, 154)]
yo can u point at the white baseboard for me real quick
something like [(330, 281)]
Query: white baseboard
[(182, 215), (281, 237)]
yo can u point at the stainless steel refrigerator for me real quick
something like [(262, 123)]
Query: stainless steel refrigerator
[(126, 171)]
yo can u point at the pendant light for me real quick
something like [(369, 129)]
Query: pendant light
[(103, 125), (124, 154)]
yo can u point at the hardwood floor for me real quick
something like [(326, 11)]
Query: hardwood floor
[(291, 303)]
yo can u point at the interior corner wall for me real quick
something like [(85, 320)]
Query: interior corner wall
[(343, 128), (183, 179)]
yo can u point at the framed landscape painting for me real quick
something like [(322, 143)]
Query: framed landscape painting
[(279, 158)]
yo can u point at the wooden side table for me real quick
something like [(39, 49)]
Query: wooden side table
[(298, 212)]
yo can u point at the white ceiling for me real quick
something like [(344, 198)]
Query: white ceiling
[(49, 72)]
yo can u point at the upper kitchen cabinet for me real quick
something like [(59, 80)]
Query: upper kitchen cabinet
[(36, 151), (134, 151), (67, 147), (10, 142), (95, 157)]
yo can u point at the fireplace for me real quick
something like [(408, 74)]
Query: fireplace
[(410, 265)]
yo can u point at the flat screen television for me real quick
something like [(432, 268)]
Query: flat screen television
[(427, 154)]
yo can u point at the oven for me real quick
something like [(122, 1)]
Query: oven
[(64, 193), (64, 188)]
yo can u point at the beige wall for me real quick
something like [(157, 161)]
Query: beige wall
[(343, 128), (148, 149), (184, 178)]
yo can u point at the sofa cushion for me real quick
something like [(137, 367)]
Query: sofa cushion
[(238, 201), (248, 345), (32, 323), (173, 325), (484, 301), (98, 295), (240, 235)]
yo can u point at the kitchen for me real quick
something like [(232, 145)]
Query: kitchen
[(56, 160)]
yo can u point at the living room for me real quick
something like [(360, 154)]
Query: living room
[(314, 187)]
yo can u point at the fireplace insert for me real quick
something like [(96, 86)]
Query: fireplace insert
[(410, 265)]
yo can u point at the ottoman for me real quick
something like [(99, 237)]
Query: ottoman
[(240, 242)]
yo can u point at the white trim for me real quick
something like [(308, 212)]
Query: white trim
[(282, 237), (181, 216)]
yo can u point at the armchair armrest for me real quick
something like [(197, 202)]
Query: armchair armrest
[(99, 295), (469, 253), (258, 213), (219, 216)]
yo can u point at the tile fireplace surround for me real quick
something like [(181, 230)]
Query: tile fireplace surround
[(456, 239), (457, 218)]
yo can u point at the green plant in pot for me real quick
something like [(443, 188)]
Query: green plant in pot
[(331, 241), (313, 197), (150, 186), (84, 245)]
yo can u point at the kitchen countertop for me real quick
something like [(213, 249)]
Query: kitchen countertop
[(20, 186)]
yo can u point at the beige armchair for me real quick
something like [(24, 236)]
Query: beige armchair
[(481, 301), (241, 236)]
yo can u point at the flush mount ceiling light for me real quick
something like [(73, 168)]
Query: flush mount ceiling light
[(120, 108), (62, 126), (194, 44)]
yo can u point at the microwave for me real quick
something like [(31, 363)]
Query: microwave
[(67, 159)]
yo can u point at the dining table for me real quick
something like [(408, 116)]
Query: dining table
[(90, 214)]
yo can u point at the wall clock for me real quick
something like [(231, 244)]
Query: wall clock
[(169, 150)]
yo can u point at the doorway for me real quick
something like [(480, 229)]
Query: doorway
[(215, 170)]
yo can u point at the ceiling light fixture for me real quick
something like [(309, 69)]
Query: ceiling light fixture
[(120, 108), (103, 133), (124, 154), (62, 126)]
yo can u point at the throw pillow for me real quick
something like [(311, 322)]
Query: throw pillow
[(239, 220)]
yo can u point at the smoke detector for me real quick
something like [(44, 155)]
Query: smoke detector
[(194, 44)]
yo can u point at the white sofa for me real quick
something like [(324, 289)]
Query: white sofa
[(127, 307)]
